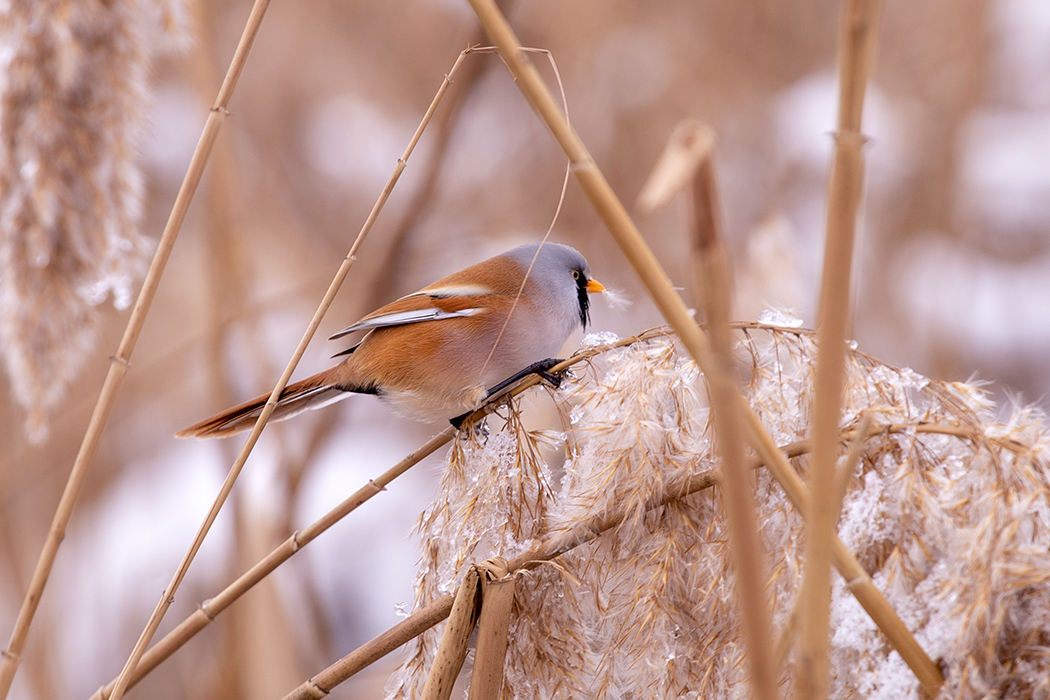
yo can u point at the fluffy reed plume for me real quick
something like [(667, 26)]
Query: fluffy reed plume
[(72, 98), (494, 496), (949, 511)]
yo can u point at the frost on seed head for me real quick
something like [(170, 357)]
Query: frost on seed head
[(948, 511)]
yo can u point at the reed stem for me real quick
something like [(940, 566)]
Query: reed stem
[(856, 46), (121, 361)]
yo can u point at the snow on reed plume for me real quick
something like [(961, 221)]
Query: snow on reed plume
[(948, 511), (73, 90)]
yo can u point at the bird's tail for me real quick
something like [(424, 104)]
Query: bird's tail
[(312, 392)]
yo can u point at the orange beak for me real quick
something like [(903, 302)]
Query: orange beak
[(595, 286)]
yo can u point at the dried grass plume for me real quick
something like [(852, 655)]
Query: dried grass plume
[(73, 91), (949, 511)]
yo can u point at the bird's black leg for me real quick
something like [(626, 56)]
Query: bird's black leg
[(538, 368), (541, 369)]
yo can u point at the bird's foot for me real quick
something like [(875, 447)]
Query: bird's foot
[(540, 369)]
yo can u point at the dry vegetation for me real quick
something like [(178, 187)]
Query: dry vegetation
[(947, 511), (624, 588)]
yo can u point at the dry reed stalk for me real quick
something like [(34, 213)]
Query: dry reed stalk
[(453, 647), (256, 652), (709, 247), (121, 360), (225, 263), (168, 596), (208, 610), (687, 162), (497, 600), (594, 184), (856, 53), (321, 685)]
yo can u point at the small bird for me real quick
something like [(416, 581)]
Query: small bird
[(438, 353)]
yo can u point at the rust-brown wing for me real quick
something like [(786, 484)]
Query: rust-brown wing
[(462, 294)]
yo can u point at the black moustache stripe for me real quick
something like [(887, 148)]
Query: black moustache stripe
[(584, 299)]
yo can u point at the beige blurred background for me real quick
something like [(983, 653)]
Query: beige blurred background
[(952, 274)]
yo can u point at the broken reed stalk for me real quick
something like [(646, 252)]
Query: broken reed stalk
[(675, 312), (169, 594), (324, 682), (687, 163), (453, 647), (746, 550), (856, 47), (121, 361), (497, 604)]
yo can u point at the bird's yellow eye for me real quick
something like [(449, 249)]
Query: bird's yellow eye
[(576, 274)]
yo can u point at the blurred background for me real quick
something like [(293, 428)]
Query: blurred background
[(952, 274)]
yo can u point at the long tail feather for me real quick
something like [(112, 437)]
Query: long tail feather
[(312, 392)]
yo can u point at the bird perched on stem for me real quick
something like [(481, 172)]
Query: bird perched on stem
[(438, 353)]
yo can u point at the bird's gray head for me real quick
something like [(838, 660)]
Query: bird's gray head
[(562, 275)]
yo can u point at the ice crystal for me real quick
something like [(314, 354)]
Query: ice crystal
[(592, 340), (779, 317)]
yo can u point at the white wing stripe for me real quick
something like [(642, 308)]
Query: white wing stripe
[(402, 318), (462, 290)]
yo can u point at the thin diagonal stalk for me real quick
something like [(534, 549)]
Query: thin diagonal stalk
[(120, 362), (323, 683), (856, 46), (271, 404), (211, 608)]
